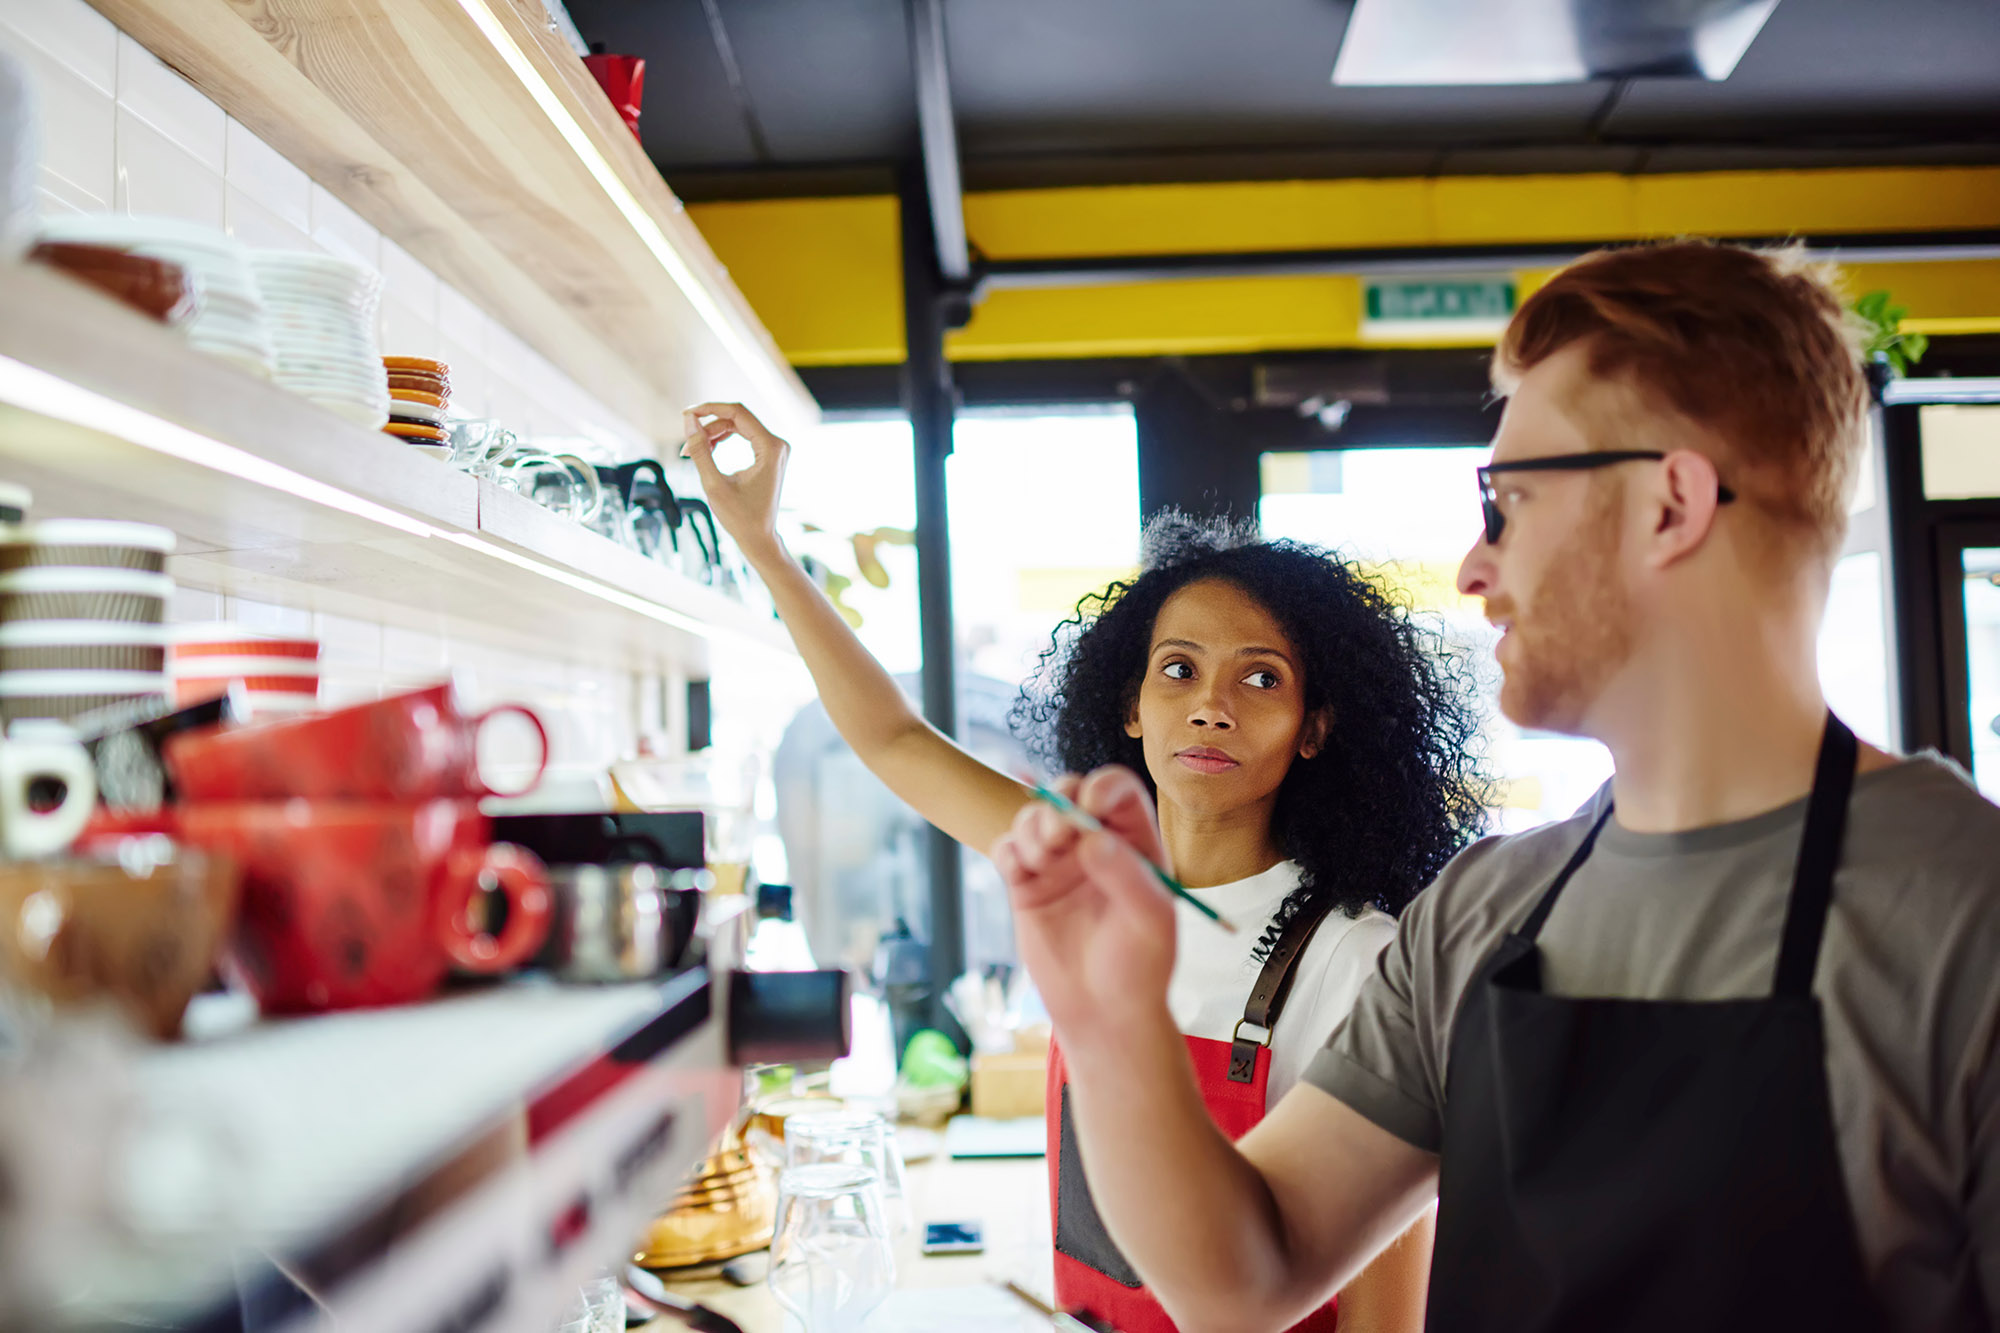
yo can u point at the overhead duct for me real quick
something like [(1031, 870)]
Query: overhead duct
[(1436, 43)]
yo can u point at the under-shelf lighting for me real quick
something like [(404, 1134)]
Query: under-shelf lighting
[(48, 395), (747, 349), (604, 592), (34, 390)]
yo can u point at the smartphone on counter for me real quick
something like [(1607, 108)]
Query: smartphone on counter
[(953, 1238)]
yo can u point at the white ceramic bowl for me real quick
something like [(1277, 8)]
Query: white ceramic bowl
[(60, 578), (90, 532)]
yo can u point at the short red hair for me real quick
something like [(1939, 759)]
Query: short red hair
[(1755, 346)]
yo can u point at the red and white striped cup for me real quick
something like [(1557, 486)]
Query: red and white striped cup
[(279, 676)]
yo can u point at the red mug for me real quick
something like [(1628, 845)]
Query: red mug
[(352, 904), (623, 79), (409, 747)]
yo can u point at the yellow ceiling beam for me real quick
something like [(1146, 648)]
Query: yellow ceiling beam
[(825, 274), (828, 271), (1473, 210), (1942, 298)]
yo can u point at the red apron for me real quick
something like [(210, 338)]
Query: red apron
[(1091, 1275)]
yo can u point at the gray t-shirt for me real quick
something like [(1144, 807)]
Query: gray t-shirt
[(1908, 978)]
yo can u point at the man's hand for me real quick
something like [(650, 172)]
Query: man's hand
[(1093, 925)]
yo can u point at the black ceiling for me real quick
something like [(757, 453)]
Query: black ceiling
[(776, 97)]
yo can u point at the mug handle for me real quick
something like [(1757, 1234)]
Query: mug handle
[(711, 547), (628, 476), (26, 832), (541, 734), (506, 869), (670, 506)]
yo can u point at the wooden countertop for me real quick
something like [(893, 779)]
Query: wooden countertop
[(1008, 1196)]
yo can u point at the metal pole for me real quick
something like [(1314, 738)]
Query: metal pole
[(928, 397), (939, 135)]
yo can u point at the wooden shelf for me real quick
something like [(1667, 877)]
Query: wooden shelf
[(474, 138), (106, 414)]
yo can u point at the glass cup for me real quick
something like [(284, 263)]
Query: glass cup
[(598, 1308), (612, 520), (478, 445), (831, 1260), (651, 526), (856, 1138), (551, 481)]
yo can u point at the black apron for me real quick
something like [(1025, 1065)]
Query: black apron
[(1651, 1164)]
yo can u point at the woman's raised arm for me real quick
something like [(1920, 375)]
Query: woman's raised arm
[(970, 800)]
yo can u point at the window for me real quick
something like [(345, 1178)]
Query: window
[(1407, 516), (1981, 568), (1044, 510)]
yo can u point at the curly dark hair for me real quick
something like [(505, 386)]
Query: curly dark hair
[(1397, 788)]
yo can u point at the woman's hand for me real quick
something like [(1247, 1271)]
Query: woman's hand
[(1093, 925), (746, 502)]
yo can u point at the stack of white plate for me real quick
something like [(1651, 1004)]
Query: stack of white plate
[(229, 316), (322, 318)]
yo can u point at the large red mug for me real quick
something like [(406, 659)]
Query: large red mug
[(349, 904), (409, 747)]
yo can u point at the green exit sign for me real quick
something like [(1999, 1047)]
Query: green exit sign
[(1440, 303)]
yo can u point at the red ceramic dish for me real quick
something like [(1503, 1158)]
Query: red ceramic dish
[(351, 904), (154, 286), (410, 747)]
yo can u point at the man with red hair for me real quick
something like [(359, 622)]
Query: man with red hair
[(1720, 1052)]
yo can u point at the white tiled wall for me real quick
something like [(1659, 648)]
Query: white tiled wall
[(123, 132)]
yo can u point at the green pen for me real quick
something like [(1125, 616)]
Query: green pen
[(1084, 820)]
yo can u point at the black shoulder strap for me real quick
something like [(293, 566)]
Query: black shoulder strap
[(1274, 985), (1532, 927), (1819, 856)]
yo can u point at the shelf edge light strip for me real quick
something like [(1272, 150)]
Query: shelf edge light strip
[(747, 349), (49, 395)]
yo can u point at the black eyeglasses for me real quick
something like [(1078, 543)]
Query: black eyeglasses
[(1489, 497)]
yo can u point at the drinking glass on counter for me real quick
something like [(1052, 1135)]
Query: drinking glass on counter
[(598, 1308), (831, 1261), (853, 1138)]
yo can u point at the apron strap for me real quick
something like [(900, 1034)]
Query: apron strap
[(1267, 997), (1533, 925), (1819, 854)]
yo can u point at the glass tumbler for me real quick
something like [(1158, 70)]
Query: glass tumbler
[(598, 1308), (831, 1260), (857, 1138)]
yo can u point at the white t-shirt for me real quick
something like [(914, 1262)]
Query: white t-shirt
[(1213, 972)]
